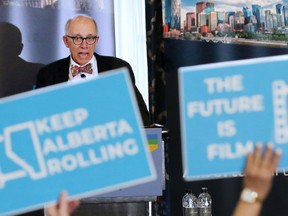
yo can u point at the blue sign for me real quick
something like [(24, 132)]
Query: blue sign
[(84, 138), (226, 108)]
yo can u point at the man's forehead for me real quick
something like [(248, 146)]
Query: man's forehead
[(82, 23), (82, 27)]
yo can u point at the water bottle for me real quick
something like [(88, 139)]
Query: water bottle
[(205, 203), (189, 204)]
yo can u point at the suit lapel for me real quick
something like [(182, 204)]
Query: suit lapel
[(101, 63), (63, 71)]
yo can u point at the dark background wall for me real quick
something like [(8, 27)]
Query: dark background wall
[(225, 192)]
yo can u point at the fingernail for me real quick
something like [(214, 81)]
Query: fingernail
[(278, 151), (270, 145), (259, 145)]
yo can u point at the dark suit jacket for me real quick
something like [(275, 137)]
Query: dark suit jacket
[(58, 72)]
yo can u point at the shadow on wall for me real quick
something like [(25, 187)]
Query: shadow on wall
[(16, 74)]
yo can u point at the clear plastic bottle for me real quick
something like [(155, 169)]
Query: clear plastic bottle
[(205, 203), (189, 204)]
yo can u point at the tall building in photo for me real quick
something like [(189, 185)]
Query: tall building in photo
[(191, 24), (286, 15), (247, 13), (209, 7), (221, 17), (203, 13), (280, 13), (249, 28), (176, 14), (200, 6), (228, 14), (231, 19), (279, 21), (275, 21), (239, 21), (269, 24), (256, 11), (201, 17), (279, 8), (213, 21), (166, 4)]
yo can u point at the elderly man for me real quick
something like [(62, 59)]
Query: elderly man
[(81, 38)]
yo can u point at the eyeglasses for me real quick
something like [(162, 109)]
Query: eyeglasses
[(77, 40)]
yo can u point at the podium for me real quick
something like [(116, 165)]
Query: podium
[(136, 200)]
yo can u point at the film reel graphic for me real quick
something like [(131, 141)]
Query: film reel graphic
[(280, 92)]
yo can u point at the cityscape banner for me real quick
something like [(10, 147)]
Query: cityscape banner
[(71, 137), (226, 108), (252, 23)]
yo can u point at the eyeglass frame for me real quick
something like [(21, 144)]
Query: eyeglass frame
[(82, 39)]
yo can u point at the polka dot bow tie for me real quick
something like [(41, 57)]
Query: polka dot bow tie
[(78, 70)]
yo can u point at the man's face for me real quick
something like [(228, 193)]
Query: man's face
[(82, 27)]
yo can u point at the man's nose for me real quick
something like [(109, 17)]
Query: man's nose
[(84, 43)]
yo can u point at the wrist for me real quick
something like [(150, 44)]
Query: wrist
[(249, 196)]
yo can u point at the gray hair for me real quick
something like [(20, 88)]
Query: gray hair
[(67, 25)]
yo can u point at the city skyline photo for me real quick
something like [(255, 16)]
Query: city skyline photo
[(231, 5), (257, 22)]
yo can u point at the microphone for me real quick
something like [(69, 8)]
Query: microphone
[(83, 76)]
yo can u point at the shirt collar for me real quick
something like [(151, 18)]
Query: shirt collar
[(72, 62)]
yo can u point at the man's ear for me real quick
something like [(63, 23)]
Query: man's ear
[(66, 42)]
